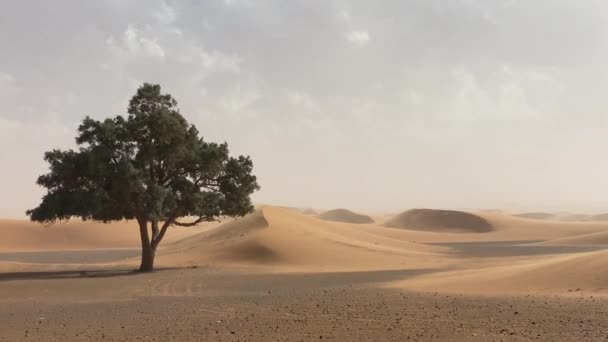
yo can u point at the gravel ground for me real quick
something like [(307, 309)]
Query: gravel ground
[(217, 305)]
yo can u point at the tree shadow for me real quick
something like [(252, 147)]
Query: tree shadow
[(256, 282), (73, 274)]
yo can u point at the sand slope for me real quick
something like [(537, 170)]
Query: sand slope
[(563, 274), (346, 216)]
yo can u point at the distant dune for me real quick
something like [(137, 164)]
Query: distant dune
[(573, 217), (440, 221), (570, 217), (536, 216), (344, 215), (308, 211), (599, 217)]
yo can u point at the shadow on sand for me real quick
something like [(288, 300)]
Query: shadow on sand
[(98, 273)]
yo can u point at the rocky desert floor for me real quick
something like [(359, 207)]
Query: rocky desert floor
[(281, 275)]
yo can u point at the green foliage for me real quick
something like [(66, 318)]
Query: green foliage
[(151, 166)]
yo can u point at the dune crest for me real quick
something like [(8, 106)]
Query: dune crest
[(346, 216), (440, 221)]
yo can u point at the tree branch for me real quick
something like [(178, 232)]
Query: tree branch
[(195, 222), (162, 232), (155, 231)]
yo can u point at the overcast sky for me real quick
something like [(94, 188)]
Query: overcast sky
[(369, 105)]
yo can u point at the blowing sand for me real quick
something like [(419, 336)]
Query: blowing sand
[(278, 274)]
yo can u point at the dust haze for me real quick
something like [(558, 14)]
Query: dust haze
[(374, 107)]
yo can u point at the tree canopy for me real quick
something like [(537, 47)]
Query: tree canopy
[(151, 166)]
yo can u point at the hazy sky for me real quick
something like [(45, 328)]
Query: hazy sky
[(377, 105)]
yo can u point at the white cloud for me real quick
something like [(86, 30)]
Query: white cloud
[(173, 47), (6, 78), (205, 63), (358, 37), (306, 109), (414, 97), (166, 14), (238, 99), (8, 84), (240, 3), (138, 44), (345, 16), (303, 100), (134, 44), (219, 61), (508, 100)]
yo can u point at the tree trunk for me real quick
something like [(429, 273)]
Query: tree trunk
[(147, 250), (147, 259)]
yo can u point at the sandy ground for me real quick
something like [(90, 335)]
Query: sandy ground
[(281, 275)]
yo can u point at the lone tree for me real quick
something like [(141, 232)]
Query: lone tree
[(150, 166)]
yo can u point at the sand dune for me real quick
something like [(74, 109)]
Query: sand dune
[(22, 235), (346, 216), (509, 228), (486, 252), (440, 221), (283, 238)]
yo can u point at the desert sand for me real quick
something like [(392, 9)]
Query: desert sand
[(281, 274)]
